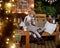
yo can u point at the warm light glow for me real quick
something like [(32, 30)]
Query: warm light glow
[(6, 11), (13, 5), (26, 12), (0, 5), (14, 23), (1, 1), (50, 1), (7, 18), (19, 12), (7, 42), (13, 36), (9, 11), (32, 6), (12, 46), (12, 0), (13, 12), (7, 39), (8, 4), (14, 19), (14, 31)]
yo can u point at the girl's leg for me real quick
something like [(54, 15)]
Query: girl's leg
[(38, 35), (33, 37), (39, 40)]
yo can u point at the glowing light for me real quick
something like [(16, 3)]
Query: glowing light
[(9, 11), (6, 11), (13, 31), (7, 42), (7, 39), (19, 12), (14, 24), (50, 1), (8, 4), (13, 12), (1, 1), (13, 36), (7, 18), (32, 5), (12, 0), (0, 5), (26, 12), (13, 5), (13, 46), (14, 19)]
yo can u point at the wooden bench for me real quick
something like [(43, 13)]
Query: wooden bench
[(26, 33), (43, 17)]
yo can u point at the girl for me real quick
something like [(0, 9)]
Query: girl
[(29, 22)]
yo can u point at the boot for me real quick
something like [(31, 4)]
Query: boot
[(35, 40), (32, 39), (40, 41)]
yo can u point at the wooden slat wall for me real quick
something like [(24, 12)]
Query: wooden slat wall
[(48, 44)]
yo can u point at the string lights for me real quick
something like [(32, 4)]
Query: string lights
[(50, 1)]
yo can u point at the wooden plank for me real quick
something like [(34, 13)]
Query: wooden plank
[(35, 45), (40, 15), (46, 44), (27, 40), (53, 44), (23, 46), (47, 34), (26, 33), (39, 46), (32, 45), (49, 43), (43, 46)]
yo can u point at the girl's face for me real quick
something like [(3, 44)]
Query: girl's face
[(31, 15)]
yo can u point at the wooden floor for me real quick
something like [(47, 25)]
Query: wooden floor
[(48, 44)]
